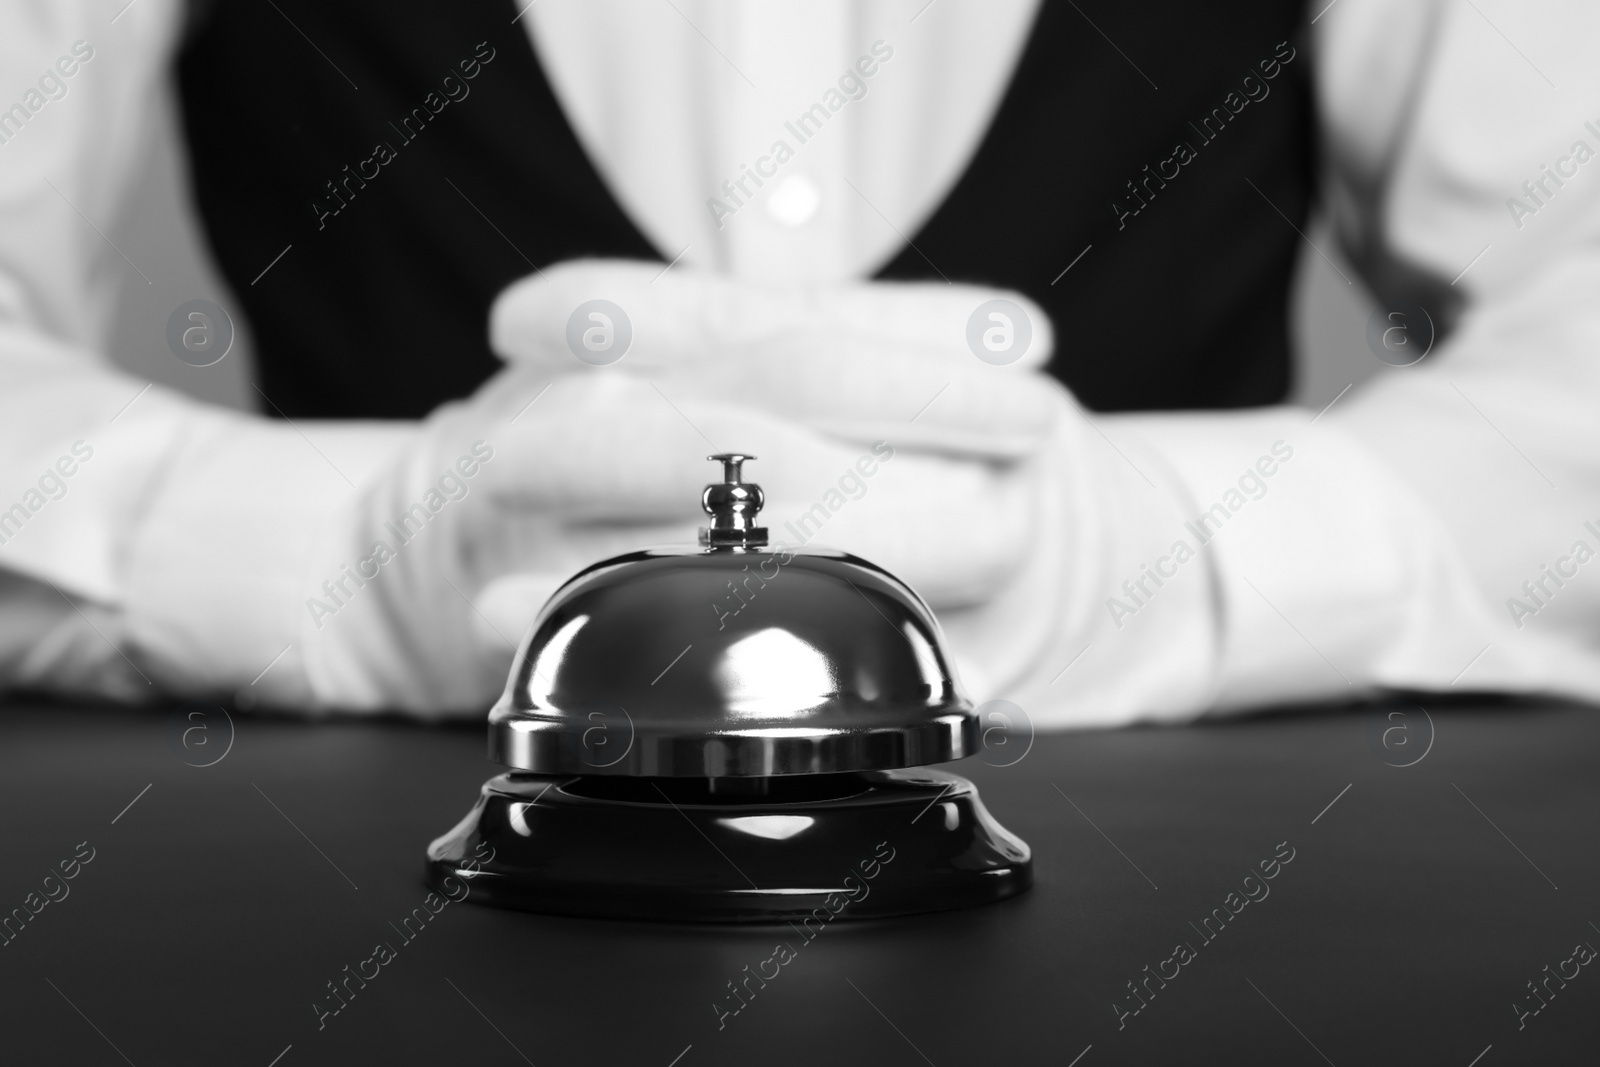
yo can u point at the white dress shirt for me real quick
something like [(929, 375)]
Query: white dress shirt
[(1390, 548)]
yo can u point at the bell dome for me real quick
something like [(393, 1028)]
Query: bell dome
[(732, 659)]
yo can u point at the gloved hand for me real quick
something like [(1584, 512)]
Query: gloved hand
[(859, 361), (860, 365), (483, 517)]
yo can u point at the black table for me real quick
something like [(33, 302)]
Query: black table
[(1418, 903)]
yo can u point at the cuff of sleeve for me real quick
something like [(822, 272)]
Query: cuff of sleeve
[(222, 561), (1332, 578)]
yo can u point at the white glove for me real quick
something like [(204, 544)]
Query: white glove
[(862, 364), (959, 509), (856, 360), (600, 464)]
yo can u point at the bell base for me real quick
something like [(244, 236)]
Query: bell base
[(807, 847)]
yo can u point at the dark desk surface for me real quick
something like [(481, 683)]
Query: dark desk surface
[(219, 904)]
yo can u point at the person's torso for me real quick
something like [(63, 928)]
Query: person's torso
[(1150, 208)]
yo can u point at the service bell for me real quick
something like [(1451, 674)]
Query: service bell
[(732, 732)]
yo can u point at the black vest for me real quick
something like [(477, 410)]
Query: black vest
[(406, 202)]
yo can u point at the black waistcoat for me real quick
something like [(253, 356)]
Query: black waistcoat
[(378, 306)]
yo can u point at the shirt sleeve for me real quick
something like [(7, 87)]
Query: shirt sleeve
[(1436, 528), (110, 582)]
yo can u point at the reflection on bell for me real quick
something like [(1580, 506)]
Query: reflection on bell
[(729, 733)]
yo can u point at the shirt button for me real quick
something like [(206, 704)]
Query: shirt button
[(793, 201)]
